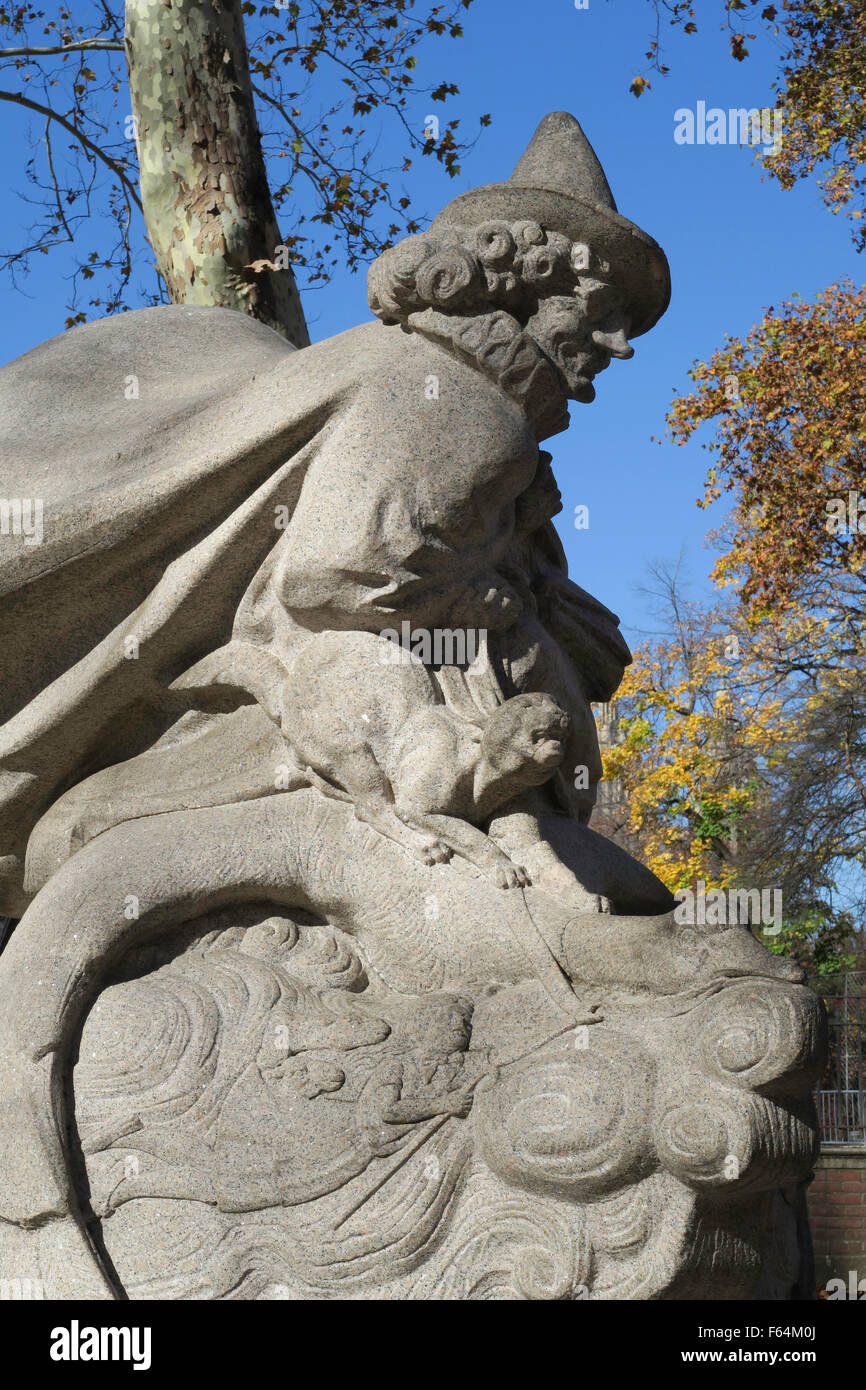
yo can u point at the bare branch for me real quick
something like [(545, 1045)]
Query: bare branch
[(79, 135), (107, 45)]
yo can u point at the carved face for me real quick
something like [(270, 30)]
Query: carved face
[(527, 734), (440, 1024), (456, 1036), (581, 332)]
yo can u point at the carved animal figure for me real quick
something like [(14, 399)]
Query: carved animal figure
[(361, 717)]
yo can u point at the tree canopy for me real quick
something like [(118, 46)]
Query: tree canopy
[(743, 725), (220, 92)]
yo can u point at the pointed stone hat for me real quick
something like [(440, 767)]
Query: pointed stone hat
[(560, 183)]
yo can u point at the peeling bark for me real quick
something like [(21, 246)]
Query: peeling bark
[(207, 204)]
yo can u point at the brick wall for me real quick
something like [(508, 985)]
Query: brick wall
[(837, 1212)]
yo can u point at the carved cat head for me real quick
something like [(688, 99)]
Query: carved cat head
[(525, 737)]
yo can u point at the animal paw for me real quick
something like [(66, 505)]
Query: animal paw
[(510, 876), (436, 852)]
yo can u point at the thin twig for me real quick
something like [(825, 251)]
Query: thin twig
[(79, 135)]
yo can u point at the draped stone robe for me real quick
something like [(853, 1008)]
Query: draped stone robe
[(210, 497)]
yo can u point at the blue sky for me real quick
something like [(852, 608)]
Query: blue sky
[(735, 244)]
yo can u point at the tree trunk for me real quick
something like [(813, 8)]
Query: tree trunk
[(207, 204)]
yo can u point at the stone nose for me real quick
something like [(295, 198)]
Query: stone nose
[(616, 343)]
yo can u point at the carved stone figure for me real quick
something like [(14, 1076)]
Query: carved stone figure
[(412, 768), (296, 685)]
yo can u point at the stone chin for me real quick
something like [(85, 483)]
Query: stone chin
[(576, 367), (581, 390)]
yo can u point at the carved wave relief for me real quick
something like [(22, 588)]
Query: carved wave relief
[(258, 1119)]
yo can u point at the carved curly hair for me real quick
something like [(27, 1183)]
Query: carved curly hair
[(462, 270)]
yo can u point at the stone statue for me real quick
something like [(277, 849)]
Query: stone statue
[(323, 986)]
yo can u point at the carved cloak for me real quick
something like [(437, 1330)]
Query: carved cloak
[(209, 496), (159, 444)]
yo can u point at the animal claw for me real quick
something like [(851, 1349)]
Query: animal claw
[(510, 876)]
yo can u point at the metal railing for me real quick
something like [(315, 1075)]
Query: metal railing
[(842, 1116), (841, 1095)]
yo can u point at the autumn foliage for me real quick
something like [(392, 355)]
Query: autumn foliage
[(788, 403), (741, 750), (821, 87)]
